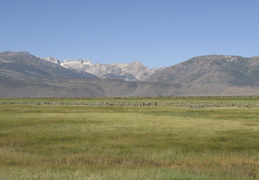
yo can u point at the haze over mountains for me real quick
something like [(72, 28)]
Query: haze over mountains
[(25, 75)]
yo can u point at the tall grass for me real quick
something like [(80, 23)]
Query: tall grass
[(120, 142)]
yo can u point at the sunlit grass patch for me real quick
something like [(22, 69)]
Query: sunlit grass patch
[(84, 142)]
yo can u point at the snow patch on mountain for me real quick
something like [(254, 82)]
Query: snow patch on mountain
[(126, 71), (52, 59)]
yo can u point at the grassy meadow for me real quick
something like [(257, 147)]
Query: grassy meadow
[(130, 138)]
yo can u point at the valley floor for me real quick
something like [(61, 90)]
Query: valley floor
[(130, 138)]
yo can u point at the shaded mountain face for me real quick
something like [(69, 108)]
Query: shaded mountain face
[(24, 65), (212, 69), (129, 71), (78, 87)]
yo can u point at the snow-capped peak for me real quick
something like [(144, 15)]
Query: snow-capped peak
[(52, 59), (127, 71)]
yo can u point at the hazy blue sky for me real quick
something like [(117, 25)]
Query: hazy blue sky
[(155, 32)]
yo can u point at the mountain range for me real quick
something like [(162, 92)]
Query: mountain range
[(26, 75), (129, 71)]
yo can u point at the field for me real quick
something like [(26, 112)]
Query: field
[(130, 138)]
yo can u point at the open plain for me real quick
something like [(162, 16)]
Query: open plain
[(130, 138)]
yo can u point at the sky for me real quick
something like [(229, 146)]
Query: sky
[(157, 33)]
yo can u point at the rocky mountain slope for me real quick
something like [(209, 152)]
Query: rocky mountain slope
[(212, 69), (20, 65), (83, 87), (25, 75), (129, 71)]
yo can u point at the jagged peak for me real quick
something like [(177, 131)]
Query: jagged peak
[(52, 59), (82, 61), (136, 63)]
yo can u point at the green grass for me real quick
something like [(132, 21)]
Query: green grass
[(40, 139)]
